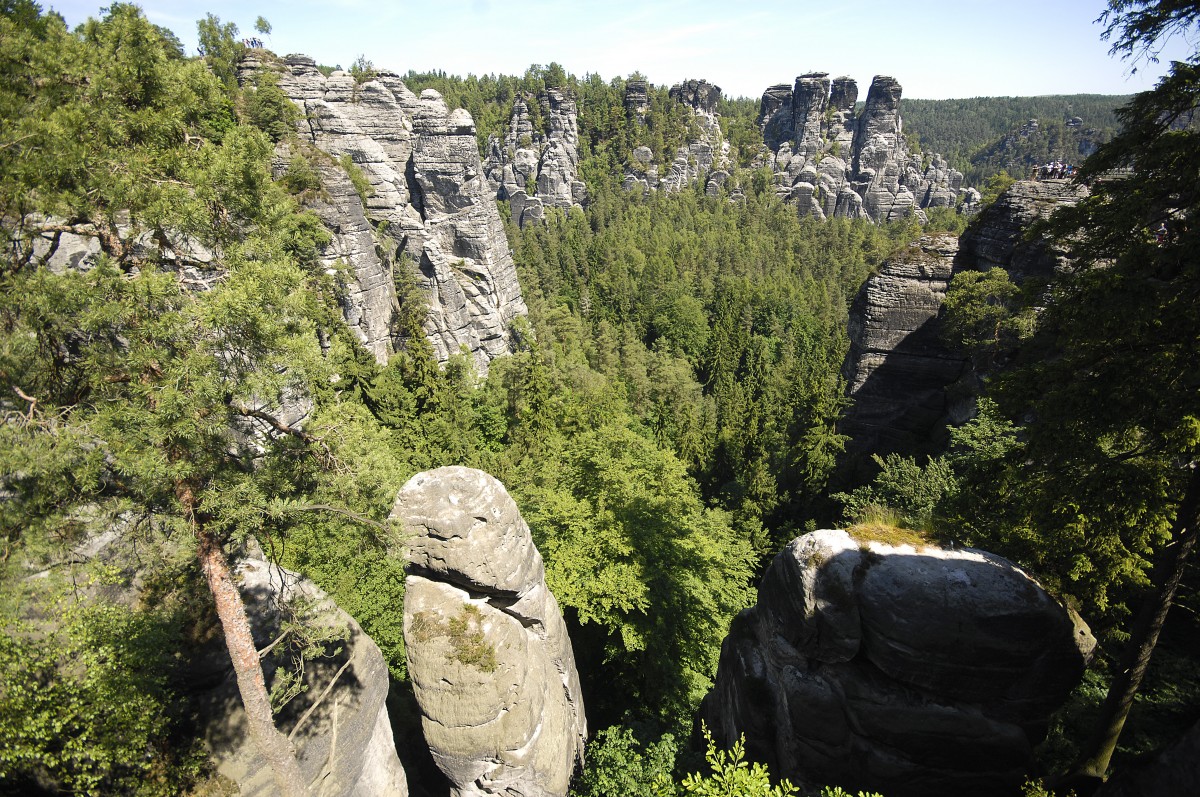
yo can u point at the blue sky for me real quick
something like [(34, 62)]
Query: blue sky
[(935, 48)]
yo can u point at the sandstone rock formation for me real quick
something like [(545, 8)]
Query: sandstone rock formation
[(704, 158), (533, 169), (488, 653), (831, 163), (429, 203), (996, 238), (339, 725), (897, 368), (906, 671)]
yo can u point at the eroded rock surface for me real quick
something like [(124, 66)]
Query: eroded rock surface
[(831, 163), (705, 157), (535, 169), (339, 725), (996, 238), (428, 199), (894, 669), (488, 653), (897, 369)]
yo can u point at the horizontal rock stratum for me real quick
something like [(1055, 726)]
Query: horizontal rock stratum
[(908, 671)]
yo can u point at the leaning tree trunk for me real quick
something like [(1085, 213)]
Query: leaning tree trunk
[(1168, 571), (270, 743)]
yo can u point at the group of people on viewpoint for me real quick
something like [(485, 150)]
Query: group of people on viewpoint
[(1056, 170), (255, 43)]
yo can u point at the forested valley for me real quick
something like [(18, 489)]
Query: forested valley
[(667, 419)]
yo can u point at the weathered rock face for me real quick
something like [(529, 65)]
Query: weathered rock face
[(339, 726), (897, 369), (997, 237), (488, 653), (699, 95), (910, 672), (637, 99), (546, 162), (427, 184), (705, 158), (830, 163)]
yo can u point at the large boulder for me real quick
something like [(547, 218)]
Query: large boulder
[(910, 671), (488, 653)]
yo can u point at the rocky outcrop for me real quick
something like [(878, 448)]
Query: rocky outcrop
[(895, 669), (831, 163), (339, 725), (897, 368), (488, 652), (535, 169), (996, 238), (637, 99), (428, 200), (705, 157)]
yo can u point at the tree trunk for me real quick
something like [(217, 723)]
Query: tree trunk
[(1168, 570), (270, 743)]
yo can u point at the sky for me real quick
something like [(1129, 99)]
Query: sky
[(936, 49)]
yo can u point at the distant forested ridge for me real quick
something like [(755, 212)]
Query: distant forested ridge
[(982, 135)]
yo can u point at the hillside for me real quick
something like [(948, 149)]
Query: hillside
[(439, 435)]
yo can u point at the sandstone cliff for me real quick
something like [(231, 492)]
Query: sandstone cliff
[(895, 669), (535, 169), (429, 205), (339, 724), (832, 163), (488, 653), (897, 369)]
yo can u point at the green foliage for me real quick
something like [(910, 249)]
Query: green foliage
[(262, 26), (618, 763), (149, 398), (729, 774), (269, 109), (86, 705), (996, 185), (358, 178), (221, 48), (913, 491), (630, 547), (982, 135), (363, 70), (986, 316)]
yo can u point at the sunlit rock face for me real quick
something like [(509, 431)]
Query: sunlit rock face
[(428, 209), (830, 162), (488, 653)]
